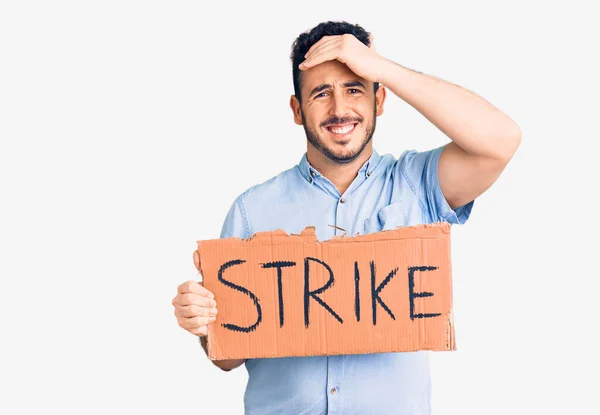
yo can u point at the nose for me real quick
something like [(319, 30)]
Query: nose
[(339, 105)]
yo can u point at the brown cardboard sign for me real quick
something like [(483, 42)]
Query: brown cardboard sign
[(291, 295)]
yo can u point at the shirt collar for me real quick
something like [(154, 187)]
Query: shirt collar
[(310, 173)]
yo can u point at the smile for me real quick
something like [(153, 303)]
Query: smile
[(341, 129)]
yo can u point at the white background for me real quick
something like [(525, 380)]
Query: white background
[(128, 127)]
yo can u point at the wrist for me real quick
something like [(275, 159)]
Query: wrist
[(388, 72)]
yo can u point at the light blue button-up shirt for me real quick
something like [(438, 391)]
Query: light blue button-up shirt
[(386, 193)]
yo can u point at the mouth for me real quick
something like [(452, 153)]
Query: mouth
[(341, 130)]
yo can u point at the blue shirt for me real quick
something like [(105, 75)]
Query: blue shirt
[(386, 193)]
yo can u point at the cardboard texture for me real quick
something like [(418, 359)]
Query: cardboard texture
[(291, 295)]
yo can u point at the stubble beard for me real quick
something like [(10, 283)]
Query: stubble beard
[(316, 141)]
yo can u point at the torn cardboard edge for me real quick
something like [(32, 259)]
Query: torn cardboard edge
[(281, 294), (309, 233)]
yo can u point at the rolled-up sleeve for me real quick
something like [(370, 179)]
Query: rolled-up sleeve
[(420, 171)]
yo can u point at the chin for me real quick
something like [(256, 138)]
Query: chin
[(340, 148), (343, 156)]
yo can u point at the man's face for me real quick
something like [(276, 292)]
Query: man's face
[(338, 110)]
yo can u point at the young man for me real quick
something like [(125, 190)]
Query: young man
[(342, 181)]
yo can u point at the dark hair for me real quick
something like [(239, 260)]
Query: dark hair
[(305, 41)]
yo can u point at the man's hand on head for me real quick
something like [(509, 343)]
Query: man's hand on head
[(363, 60)]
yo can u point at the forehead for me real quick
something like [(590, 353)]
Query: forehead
[(330, 72)]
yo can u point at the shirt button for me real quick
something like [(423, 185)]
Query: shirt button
[(342, 200), (333, 391), (313, 173), (368, 173)]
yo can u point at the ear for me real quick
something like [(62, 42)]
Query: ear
[(380, 99), (295, 106)]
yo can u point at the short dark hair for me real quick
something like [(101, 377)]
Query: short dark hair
[(305, 41)]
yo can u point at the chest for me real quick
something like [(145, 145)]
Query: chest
[(380, 206)]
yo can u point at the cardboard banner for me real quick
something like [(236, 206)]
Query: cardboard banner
[(290, 295)]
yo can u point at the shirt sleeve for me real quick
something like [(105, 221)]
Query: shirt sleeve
[(420, 170), (236, 222)]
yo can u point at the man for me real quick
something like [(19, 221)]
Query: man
[(339, 90)]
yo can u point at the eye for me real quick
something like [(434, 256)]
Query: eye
[(322, 94), (354, 91)]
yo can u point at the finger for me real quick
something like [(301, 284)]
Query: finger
[(320, 58), (195, 311), (320, 51), (318, 47), (194, 287), (191, 299), (325, 49), (195, 322), (200, 331), (324, 39)]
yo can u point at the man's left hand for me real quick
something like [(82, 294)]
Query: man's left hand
[(363, 60)]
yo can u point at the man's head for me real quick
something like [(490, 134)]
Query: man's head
[(336, 107)]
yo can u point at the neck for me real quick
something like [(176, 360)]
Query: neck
[(340, 174)]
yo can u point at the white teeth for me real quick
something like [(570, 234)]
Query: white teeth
[(343, 130)]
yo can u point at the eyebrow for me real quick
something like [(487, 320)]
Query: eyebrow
[(323, 87)]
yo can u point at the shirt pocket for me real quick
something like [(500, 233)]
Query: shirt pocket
[(389, 217)]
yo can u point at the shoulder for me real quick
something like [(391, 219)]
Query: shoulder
[(416, 167), (412, 165), (416, 161), (252, 202), (270, 190)]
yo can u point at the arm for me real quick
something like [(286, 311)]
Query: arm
[(196, 307), (195, 310), (235, 224), (483, 138)]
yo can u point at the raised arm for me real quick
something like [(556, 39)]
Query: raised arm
[(484, 139)]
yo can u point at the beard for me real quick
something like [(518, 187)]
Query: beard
[(339, 157)]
